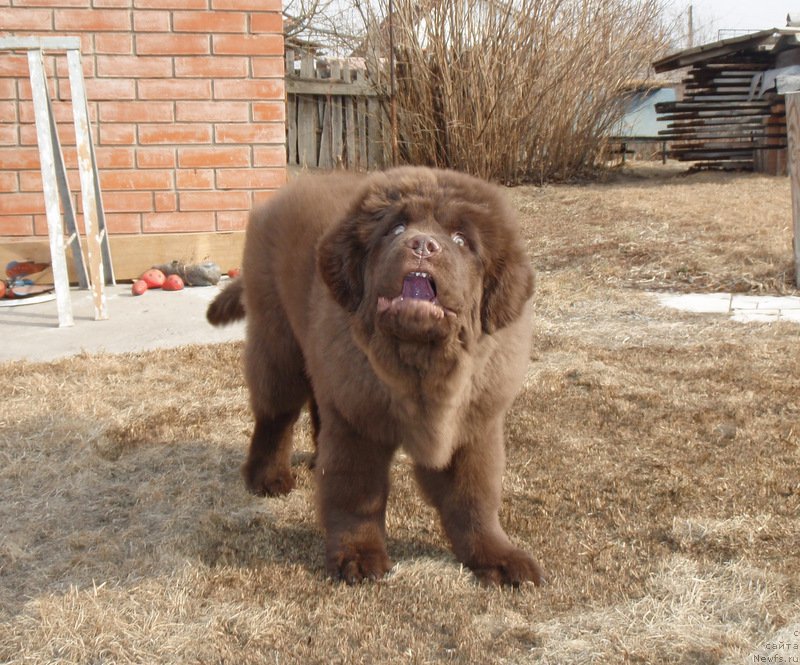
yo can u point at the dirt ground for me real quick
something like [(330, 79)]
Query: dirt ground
[(654, 471)]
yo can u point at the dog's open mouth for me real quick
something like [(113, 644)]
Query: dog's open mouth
[(418, 295)]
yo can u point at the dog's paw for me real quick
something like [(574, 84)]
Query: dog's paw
[(354, 565), (266, 480), (512, 568)]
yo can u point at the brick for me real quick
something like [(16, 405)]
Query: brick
[(14, 65), (136, 112), (174, 89), (118, 223), (128, 201), (269, 67), (217, 157), (250, 90), (135, 179), (170, 4), (30, 181), (29, 20), (203, 67), (191, 201), (267, 22), (194, 179), (23, 203), (250, 178), (50, 3), (110, 89), (27, 135), (232, 220), (8, 112), (158, 44), (251, 133), (16, 225), (117, 134), (154, 21), (175, 133), (111, 3), (113, 44), (156, 158), (92, 20), (8, 89), (269, 112), (9, 135), (172, 222), (115, 158), (209, 22), (212, 111), (247, 44), (129, 66), (247, 5), (19, 158), (8, 182), (271, 155), (166, 202)]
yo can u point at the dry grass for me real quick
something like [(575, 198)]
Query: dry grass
[(653, 468)]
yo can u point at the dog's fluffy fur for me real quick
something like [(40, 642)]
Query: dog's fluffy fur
[(397, 305)]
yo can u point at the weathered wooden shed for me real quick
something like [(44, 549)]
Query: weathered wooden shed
[(730, 114)]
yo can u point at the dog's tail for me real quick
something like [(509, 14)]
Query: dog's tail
[(228, 306)]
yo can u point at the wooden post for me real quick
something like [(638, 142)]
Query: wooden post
[(793, 130), (92, 210), (49, 185)]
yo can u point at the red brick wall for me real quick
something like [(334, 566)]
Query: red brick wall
[(186, 102)]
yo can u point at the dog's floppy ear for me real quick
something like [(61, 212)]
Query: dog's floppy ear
[(508, 280), (506, 288), (342, 252), (340, 260)]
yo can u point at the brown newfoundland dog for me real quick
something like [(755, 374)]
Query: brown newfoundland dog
[(397, 305)]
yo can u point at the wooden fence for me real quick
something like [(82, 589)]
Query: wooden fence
[(335, 117)]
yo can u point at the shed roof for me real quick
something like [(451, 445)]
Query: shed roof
[(772, 40)]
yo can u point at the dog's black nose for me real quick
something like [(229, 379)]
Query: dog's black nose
[(424, 246)]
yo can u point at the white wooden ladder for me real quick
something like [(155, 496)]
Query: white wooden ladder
[(54, 179)]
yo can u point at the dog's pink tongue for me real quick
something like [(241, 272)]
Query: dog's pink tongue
[(418, 287)]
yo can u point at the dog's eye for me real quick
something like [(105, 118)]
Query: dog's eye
[(459, 239), (397, 230)]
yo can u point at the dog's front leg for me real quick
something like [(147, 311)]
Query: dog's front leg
[(467, 495), (352, 476)]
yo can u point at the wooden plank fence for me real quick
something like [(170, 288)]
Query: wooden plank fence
[(334, 116)]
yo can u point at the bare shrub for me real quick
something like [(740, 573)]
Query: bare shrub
[(520, 91)]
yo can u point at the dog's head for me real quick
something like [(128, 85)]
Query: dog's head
[(425, 255)]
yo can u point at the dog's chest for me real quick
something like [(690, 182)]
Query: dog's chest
[(431, 419)]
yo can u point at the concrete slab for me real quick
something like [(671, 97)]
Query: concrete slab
[(157, 319), (755, 316), (702, 303), (777, 302), (741, 308), (739, 301)]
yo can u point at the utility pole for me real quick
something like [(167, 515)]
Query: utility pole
[(691, 26)]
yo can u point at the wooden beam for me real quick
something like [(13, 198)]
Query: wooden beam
[(793, 124), (300, 86)]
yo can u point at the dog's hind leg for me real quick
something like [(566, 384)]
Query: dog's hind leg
[(279, 389)]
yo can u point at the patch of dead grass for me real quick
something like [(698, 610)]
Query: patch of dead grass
[(653, 468)]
